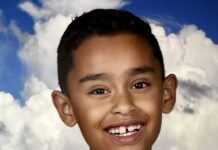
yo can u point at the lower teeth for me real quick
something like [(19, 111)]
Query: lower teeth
[(125, 134)]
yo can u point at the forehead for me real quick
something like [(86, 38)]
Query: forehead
[(114, 53)]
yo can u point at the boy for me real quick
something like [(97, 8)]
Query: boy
[(112, 81)]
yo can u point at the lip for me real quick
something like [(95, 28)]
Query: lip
[(131, 139)]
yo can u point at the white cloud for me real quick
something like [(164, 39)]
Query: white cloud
[(189, 54), (33, 86), (39, 51), (15, 30), (192, 57), (196, 131), (43, 44), (35, 126), (67, 7)]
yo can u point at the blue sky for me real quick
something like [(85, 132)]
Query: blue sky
[(202, 13), (173, 14)]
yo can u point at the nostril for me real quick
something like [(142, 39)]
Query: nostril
[(123, 103), (124, 109)]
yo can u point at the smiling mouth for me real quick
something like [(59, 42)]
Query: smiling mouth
[(123, 131)]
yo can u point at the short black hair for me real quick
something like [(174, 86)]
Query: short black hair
[(100, 22)]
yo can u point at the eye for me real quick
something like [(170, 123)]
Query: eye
[(99, 91), (140, 85)]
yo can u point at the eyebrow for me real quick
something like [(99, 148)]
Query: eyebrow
[(92, 77), (141, 70), (103, 76)]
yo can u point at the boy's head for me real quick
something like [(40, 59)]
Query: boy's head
[(102, 23), (111, 73)]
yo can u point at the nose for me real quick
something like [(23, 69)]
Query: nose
[(123, 104)]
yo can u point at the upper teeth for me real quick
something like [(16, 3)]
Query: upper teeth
[(124, 129)]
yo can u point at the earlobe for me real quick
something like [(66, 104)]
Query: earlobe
[(64, 108), (169, 93)]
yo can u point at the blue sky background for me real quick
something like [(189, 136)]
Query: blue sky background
[(172, 14)]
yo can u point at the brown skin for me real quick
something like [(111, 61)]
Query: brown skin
[(126, 93)]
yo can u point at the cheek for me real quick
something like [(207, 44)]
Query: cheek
[(89, 112), (151, 102), (151, 105)]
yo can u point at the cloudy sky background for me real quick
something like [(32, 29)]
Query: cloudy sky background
[(29, 34)]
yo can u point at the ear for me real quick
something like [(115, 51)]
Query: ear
[(64, 108), (169, 93)]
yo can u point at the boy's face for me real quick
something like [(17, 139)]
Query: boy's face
[(116, 94)]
